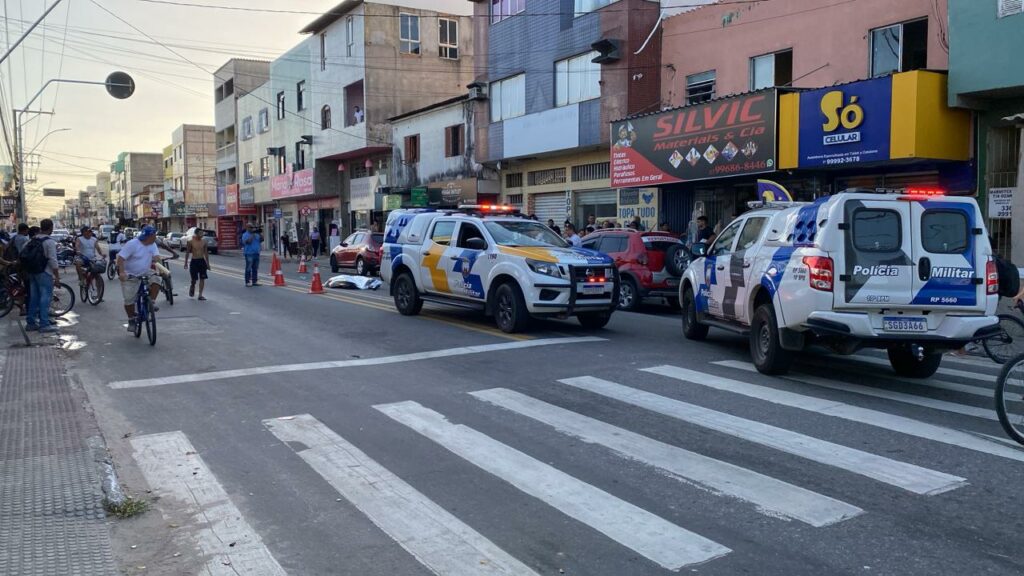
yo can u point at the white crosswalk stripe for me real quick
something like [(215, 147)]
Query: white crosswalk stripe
[(875, 392), (437, 539), (173, 469), (903, 475), (653, 537), (858, 414), (765, 492), (969, 374)]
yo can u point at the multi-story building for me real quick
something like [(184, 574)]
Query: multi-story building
[(129, 177), (106, 207), (870, 111), (986, 75), (193, 189), (370, 62), (556, 72), (434, 157), (232, 80), (258, 165)]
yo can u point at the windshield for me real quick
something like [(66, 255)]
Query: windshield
[(523, 233)]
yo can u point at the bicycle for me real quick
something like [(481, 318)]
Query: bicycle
[(1010, 398), (112, 265), (1009, 342), (92, 289), (144, 313), (167, 282), (13, 293)]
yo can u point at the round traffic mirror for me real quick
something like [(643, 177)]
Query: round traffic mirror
[(120, 85)]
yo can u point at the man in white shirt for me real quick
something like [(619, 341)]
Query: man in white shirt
[(135, 259), (572, 236), (357, 115)]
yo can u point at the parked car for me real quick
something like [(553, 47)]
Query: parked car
[(60, 234), (105, 231), (209, 238), (650, 263), (361, 251), (911, 273), (130, 233), (173, 239)]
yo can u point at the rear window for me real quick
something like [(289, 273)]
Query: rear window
[(660, 243), (877, 230), (209, 234), (613, 244), (378, 239), (944, 231)]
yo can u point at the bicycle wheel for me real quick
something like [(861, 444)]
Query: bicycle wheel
[(83, 291), (1009, 399), (141, 310), (6, 301), (169, 290), (1009, 343), (96, 288), (63, 300), (151, 326), (111, 269)]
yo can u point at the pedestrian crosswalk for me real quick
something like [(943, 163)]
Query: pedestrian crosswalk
[(446, 541)]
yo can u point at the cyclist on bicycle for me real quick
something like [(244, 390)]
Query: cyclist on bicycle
[(136, 259), (88, 251)]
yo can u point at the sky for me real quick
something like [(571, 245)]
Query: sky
[(80, 41)]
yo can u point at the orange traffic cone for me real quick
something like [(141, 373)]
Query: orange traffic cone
[(279, 278), (302, 265), (316, 287), (275, 264)]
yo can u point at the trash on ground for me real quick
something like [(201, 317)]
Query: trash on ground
[(350, 282)]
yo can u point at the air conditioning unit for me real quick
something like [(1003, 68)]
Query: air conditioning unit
[(608, 49), (478, 91)]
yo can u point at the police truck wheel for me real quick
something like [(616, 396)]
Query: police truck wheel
[(692, 329), (765, 345), (334, 264), (629, 295), (407, 297), (594, 320), (510, 312), (905, 362)]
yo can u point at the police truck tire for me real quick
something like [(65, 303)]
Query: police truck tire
[(629, 294), (906, 364), (510, 312), (692, 328), (594, 320), (407, 297), (766, 345)]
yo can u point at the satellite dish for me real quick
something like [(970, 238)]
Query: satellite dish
[(120, 85)]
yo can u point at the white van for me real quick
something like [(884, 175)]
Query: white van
[(907, 272)]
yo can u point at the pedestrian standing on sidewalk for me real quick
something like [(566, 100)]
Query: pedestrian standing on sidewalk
[(314, 239), (286, 247), (199, 265), (39, 261), (251, 249)]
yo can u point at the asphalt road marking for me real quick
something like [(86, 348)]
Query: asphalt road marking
[(857, 414), (651, 536), (929, 382), (411, 357), (436, 538), (765, 492), (173, 469), (915, 400), (982, 377), (903, 475)]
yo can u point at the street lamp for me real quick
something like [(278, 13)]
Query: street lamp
[(44, 138)]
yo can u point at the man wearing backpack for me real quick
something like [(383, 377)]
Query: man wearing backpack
[(39, 260)]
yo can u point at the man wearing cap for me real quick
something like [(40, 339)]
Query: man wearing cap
[(88, 250), (137, 258)]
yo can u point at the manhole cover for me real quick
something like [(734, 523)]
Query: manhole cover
[(186, 325)]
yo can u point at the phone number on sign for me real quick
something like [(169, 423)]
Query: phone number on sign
[(842, 160)]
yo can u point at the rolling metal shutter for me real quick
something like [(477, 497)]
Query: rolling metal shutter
[(551, 206)]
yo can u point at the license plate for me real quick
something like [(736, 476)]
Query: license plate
[(591, 288), (911, 324)]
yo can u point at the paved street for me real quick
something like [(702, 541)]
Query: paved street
[(278, 432)]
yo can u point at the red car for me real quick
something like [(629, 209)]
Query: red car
[(361, 251), (650, 263)]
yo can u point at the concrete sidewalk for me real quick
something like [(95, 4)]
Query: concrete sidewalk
[(52, 519)]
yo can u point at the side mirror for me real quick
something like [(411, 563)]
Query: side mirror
[(344, 244), (476, 244), (698, 250)]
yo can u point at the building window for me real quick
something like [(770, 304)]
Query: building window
[(501, 9), (409, 35), (1010, 7), (264, 120), (514, 180), (771, 70), (264, 167), (700, 87), (229, 87), (325, 118), (586, 6), (280, 105), (246, 128), (585, 172), (323, 51), (350, 36), (282, 161), (300, 95), (448, 38), (247, 172), (508, 98), (577, 79), (899, 48), (300, 156), (544, 177), (412, 149), (454, 140)]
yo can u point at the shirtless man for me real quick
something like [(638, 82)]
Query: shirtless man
[(199, 265)]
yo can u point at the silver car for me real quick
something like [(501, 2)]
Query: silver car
[(209, 238)]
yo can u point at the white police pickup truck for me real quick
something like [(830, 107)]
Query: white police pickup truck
[(908, 272), (485, 258)]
